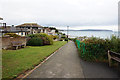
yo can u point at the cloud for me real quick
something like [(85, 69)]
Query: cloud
[(61, 12)]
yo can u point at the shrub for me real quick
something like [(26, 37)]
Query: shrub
[(35, 42), (93, 49), (63, 36), (54, 37), (47, 40), (96, 48), (114, 44), (74, 39), (66, 39), (61, 39), (12, 35)]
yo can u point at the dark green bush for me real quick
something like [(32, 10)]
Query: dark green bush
[(61, 39), (47, 40), (35, 42), (114, 44), (66, 39), (74, 39), (96, 48)]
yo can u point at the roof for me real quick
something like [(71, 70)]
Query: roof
[(29, 25), (1, 18)]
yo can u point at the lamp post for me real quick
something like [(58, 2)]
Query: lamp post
[(67, 32)]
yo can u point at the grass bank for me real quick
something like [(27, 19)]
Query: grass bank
[(18, 61)]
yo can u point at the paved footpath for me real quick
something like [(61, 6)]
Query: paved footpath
[(66, 63)]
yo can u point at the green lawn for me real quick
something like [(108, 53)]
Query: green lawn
[(17, 61)]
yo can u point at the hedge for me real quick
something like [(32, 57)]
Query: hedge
[(47, 40), (35, 42), (96, 48)]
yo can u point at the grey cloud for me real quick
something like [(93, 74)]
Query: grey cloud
[(60, 12)]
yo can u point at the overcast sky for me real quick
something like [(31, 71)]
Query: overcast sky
[(78, 14)]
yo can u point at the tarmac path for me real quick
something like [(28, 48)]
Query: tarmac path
[(66, 63)]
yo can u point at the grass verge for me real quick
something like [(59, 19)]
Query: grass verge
[(15, 62)]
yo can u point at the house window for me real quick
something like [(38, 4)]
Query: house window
[(21, 33)]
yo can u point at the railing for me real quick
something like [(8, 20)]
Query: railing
[(113, 56)]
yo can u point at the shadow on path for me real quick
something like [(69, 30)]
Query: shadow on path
[(98, 70)]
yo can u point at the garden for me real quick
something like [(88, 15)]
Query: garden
[(39, 47)]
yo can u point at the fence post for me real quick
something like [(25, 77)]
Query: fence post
[(109, 58), (78, 44), (83, 48)]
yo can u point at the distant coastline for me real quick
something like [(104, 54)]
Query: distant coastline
[(88, 30)]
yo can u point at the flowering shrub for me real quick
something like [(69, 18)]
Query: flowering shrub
[(96, 48)]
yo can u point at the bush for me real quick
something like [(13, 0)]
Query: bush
[(63, 36), (47, 40), (12, 35), (54, 37), (93, 49), (61, 39), (96, 48), (114, 44), (35, 42), (66, 39), (74, 39)]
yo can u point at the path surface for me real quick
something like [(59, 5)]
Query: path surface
[(66, 63)]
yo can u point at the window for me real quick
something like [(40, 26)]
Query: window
[(21, 33)]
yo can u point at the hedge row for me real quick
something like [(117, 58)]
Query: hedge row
[(96, 48)]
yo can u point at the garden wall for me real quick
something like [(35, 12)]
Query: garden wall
[(6, 41)]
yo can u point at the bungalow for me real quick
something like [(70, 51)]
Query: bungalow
[(9, 29), (32, 27)]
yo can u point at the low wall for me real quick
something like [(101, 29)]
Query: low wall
[(6, 41)]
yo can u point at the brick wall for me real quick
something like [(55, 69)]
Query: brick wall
[(6, 41)]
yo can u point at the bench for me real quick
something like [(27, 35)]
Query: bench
[(113, 56), (17, 44)]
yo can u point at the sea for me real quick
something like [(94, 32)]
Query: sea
[(99, 34)]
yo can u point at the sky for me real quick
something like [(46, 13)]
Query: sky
[(77, 14)]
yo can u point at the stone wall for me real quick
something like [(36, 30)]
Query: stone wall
[(6, 41)]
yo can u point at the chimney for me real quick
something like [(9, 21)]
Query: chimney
[(12, 25), (4, 25)]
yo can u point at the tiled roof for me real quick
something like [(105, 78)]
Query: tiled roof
[(29, 25)]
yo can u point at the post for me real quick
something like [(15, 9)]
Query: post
[(109, 58), (67, 32)]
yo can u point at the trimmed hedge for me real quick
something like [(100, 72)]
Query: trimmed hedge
[(47, 40), (35, 42)]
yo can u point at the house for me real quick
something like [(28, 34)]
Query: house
[(52, 32), (32, 27), (49, 31), (11, 29)]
